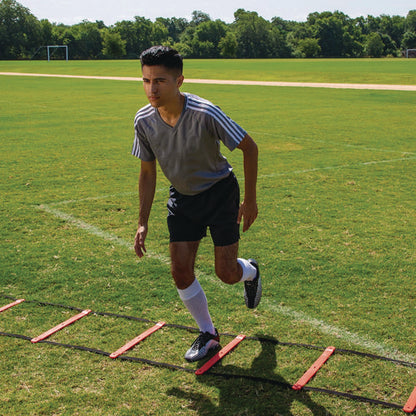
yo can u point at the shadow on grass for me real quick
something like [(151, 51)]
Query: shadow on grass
[(242, 397)]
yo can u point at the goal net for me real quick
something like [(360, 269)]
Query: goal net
[(52, 52), (410, 53)]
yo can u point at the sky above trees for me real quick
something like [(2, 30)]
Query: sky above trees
[(111, 11)]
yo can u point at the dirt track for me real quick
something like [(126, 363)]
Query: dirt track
[(236, 82)]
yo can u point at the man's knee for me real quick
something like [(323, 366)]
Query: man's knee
[(182, 274), (226, 265), (182, 263)]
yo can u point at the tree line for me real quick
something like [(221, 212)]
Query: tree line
[(326, 34)]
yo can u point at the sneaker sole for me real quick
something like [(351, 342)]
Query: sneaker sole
[(259, 291)]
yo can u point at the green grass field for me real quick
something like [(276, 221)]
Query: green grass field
[(335, 239)]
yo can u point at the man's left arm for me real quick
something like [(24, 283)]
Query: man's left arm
[(248, 208)]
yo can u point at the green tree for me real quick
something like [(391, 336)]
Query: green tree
[(46, 30), (159, 34), (284, 26), (410, 24), (280, 47), (338, 35), (393, 26), (390, 28), (175, 27), (142, 34), (374, 46), (62, 34), (254, 35), (20, 31), (390, 46), (137, 34), (372, 24), (183, 48), (205, 49), (113, 45), (199, 17), (228, 45), (206, 38), (212, 31), (87, 41), (127, 32), (309, 48), (409, 40), (299, 32)]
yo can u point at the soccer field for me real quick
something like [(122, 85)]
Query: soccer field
[(335, 239)]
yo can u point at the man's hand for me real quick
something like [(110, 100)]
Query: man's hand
[(139, 246), (248, 212)]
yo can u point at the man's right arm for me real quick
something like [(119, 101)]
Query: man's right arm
[(147, 186)]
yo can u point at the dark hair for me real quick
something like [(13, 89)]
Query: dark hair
[(162, 55)]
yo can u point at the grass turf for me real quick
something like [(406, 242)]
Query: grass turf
[(335, 240)]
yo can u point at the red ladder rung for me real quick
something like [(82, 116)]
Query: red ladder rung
[(10, 305), (220, 354), (136, 340), (313, 369), (410, 405), (60, 326)]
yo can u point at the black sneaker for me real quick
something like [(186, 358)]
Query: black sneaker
[(252, 288), (202, 345)]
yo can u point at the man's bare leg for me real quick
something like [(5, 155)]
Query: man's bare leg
[(183, 256)]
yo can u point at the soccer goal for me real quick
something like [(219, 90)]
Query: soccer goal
[(51, 50), (410, 53)]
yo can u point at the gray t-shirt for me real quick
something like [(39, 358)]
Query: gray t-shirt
[(188, 153)]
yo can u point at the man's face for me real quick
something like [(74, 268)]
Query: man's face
[(161, 85)]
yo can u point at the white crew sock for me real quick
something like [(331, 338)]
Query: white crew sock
[(195, 300), (249, 271)]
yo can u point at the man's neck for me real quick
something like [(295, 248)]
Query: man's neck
[(171, 113)]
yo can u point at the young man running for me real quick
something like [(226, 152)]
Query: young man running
[(183, 133)]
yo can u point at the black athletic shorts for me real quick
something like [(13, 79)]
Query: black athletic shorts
[(216, 208)]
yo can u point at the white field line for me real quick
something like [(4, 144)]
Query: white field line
[(332, 330), (374, 162), (271, 175), (384, 87), (346, 145), (95, 231), (272, 305)]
